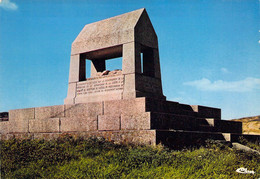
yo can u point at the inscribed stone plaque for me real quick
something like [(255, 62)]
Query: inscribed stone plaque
[(100, 85)]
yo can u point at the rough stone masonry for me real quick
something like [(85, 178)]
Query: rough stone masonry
[(125, 105)]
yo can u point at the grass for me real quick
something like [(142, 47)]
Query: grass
[(96, 158)]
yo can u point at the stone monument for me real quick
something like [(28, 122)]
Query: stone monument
[(130, 36), (125, 105)]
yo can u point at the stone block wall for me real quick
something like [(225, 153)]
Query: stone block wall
[(86, 117), (119, 120)]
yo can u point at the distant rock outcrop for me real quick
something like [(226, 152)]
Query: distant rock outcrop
[(3, 116), (251, 125)]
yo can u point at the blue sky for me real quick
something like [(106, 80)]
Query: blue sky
[(209, 50)]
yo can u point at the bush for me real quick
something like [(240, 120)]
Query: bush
[(69, 157)]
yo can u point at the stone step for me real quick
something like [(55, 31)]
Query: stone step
[(159, 120), (225, 126), (182, 109), (207, 128), (182, 122), (207, 112), (168, 107), (173, 121), (179, 122), (178, 139), (181, 138), (235, 137)]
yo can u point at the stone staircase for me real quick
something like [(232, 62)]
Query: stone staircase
[(181, 125)]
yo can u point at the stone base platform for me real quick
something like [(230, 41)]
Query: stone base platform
[(170, 138), (141, 120)]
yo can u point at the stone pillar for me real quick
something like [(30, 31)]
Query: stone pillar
[(131, 58), (97, 65), (77, 73), (131, 64), (148, 62), (157, 68)]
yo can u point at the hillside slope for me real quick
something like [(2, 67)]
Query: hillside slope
[(251, 125)]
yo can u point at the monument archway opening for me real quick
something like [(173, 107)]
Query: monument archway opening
[(98, 60)]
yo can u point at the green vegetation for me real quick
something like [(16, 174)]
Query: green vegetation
[(67, 157)]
